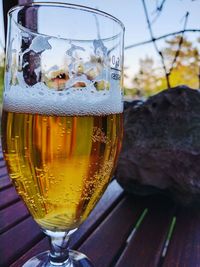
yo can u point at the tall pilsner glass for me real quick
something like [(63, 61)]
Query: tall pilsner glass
[(62, 116)]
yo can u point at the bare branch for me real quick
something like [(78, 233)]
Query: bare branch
[(161, 37), (179, 45), (160, 7), (158, 10), (154, 42)]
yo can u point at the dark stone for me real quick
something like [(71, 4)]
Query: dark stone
[(161, 146)]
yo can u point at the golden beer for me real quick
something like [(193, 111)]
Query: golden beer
[(60, 165)]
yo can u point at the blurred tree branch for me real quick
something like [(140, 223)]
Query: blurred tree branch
[(159, 8), (159, 52), (178, 49), (154, 40), (161, 37)]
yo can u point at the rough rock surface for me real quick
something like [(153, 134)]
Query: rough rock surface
[(161, 146)]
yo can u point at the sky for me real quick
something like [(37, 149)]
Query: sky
[(131, 13)]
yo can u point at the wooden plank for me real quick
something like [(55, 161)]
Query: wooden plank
[(111, 197), (23, 2), (2, 162), (106, 242), (7, 197), (145, 246), (3, 171), (12, 215), (41, 246), (184, 247), (5, 182), (15, 242)]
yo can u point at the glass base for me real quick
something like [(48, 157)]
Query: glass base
[(76, 259)]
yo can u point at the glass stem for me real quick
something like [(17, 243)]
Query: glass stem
[(59, 251)]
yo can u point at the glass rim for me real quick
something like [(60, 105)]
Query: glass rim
[(72, 6), (34, 33)]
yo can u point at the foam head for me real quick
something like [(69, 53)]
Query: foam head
[(39, 99)]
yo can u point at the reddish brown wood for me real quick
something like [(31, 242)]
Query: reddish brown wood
[(5, 182), (2, 163), (15, 242), (7, 197), (3, 171), (103, 236), (184, 248), (146, 245), (22, 2), (108, 239), (111, 197), (12, 215), (41, 246)]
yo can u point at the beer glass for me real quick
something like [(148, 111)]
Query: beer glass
[(62, 116), (2, 53)]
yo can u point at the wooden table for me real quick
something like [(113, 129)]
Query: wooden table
[(122, 231)]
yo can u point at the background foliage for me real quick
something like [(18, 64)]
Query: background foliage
[(150, 77)]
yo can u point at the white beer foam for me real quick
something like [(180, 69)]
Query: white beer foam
[(39, 99)]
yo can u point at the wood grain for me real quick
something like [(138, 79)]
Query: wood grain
[(110, 236), (145, 247), (7, 197), (14, 243), (12, 215), (184, 248)]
